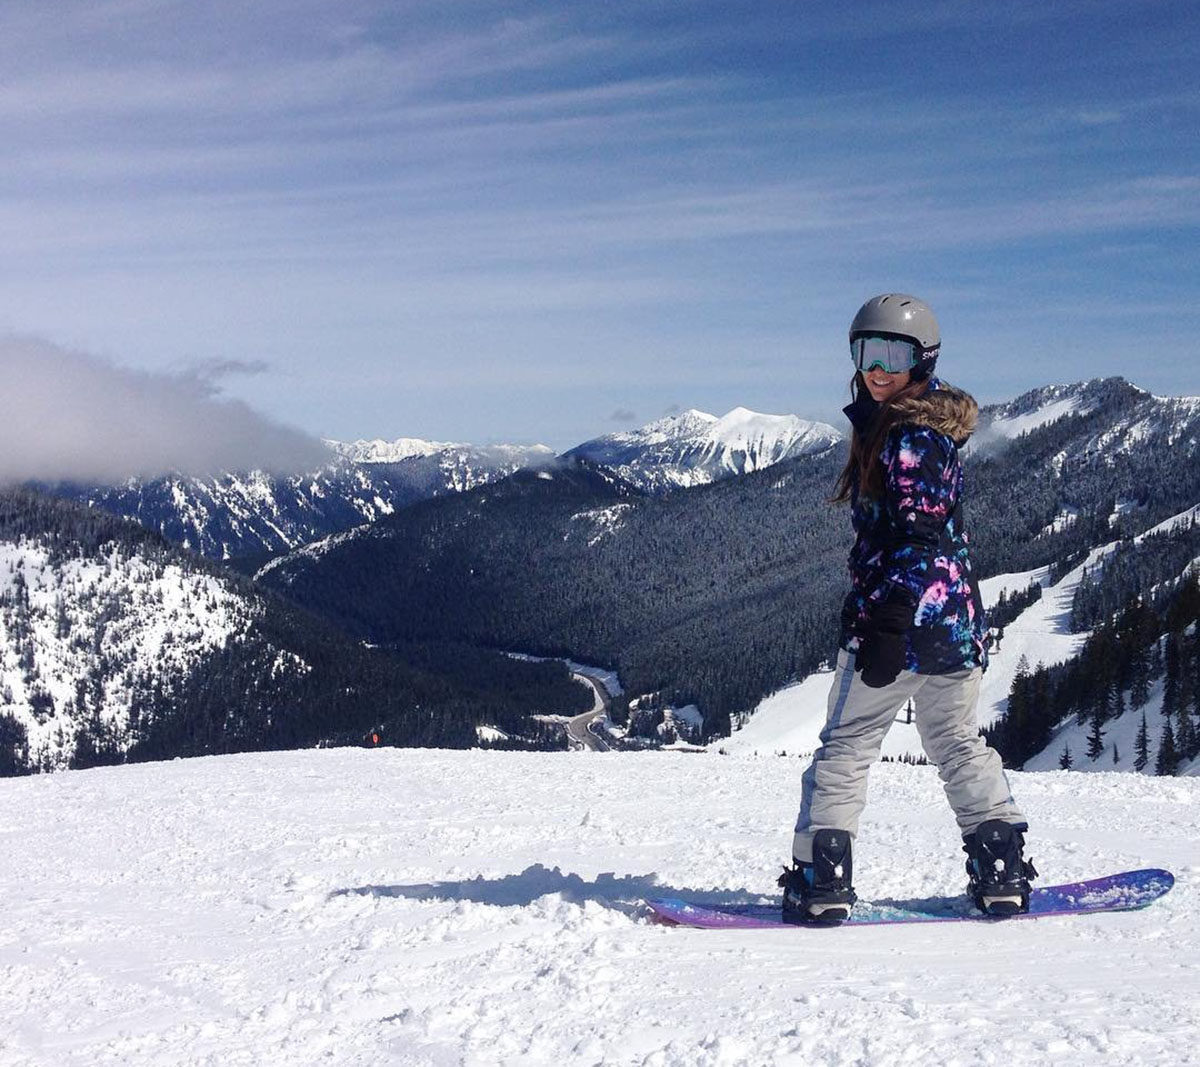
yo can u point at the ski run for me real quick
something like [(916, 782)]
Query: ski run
[(419, 907)]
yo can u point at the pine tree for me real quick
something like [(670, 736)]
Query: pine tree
[(1042, 714), (1095, 747), (1141, 746), (1016, 717), (1171, 679), (1116, 754), (1186, 739), (1066, 761), (1168, 758), (1139, 694)]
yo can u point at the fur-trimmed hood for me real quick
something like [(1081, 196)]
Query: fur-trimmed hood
[(942, 408)]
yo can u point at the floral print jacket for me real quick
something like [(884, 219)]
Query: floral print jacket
[(910, 544)]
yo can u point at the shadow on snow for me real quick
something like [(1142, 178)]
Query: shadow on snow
[(626, 893)]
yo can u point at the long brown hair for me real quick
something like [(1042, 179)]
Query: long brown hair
[(862, 465)]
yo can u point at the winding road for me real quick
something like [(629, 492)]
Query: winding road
[(580, 735)]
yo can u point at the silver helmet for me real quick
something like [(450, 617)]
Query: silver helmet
[(901, 315)]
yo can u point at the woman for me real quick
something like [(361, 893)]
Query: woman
[(912, 625)]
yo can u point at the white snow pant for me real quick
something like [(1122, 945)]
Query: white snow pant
[(835, 784)]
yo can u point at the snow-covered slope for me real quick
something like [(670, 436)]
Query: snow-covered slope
[(430, 908), (791, 719), (694, 447), (1038, 407), (1138, 417), (76, 634)]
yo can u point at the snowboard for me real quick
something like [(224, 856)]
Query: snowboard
[(1114, 892)]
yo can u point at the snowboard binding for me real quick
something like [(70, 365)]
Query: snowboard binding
[(997, 869), (820, 892)]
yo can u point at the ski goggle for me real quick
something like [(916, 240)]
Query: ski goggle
[(894, 354)]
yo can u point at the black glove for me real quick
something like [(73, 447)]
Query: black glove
[(882, 650)]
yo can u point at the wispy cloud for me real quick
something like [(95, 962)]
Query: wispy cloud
[(503, 194), (69, 416)]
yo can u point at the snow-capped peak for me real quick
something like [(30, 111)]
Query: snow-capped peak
[(683, 424), (381, 451), (695, 447)]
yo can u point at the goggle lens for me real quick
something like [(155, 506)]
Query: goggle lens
[(894, 355)]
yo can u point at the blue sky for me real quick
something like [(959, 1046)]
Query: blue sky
[(503, 221)]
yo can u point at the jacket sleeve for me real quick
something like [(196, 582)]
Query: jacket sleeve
[(921, 480)]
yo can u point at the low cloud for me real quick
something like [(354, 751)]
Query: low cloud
[(623, 415), (70, 416)]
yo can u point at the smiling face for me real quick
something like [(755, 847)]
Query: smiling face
[(883, 386)]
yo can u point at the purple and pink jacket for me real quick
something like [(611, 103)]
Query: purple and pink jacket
[(910, 545)]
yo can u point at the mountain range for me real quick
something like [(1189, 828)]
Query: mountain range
[(715, 594), (255, 514), (720, 593)]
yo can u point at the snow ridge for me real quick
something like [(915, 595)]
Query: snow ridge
[(694, 447)]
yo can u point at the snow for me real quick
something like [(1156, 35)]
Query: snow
[(1121, 508), (744, 440), (689, 715), (1065, 519), (380, 451), (694, 448), (791, 719), (607, 678), (369, 907), (1015, 425), (145, 620), (1040, 634), (1121, 732), (601, 522)]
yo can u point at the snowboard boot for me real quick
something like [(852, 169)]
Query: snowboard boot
[(996, 866), (820, 892)]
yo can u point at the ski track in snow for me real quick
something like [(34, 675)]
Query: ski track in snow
[(420, 907)]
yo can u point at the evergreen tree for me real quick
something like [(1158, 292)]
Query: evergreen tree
[(1141, 746), (1185, 609), (1095, 745), (14, 746), (1139, 694), (1116, 754), (1042, 713), (1185, 739), (1171, 679), (1066, 761), (1015, 726), (1168, 758)]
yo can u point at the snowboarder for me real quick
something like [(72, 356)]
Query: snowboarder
[(913, 626)]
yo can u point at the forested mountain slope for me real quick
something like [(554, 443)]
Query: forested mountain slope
[(720, 594), (115, 646)]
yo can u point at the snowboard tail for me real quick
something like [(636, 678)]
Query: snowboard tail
[(1114, 892)]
